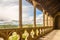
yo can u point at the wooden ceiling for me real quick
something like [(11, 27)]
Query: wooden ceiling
[(51, 6)]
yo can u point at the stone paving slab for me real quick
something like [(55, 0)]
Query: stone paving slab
[(57, 36), (54, 35)]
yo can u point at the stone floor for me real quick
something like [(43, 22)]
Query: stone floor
[(54, 35), (1, 39)]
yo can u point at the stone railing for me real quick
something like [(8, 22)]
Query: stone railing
[(25, 33)]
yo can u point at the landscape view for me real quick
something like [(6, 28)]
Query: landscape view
[(28, 15), (11, 24), (9, 14)]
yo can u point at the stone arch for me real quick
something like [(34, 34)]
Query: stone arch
[(55, 17)]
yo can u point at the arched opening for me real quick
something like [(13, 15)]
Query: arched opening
[(57, 22)]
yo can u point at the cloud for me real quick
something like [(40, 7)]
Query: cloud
[(27, 14), (40, 19), (28, 19), (9, 9), (10, 12), (4, 3), (25, 3)]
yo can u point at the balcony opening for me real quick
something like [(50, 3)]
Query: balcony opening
[(27, 14), (9, 14), (39, 18)]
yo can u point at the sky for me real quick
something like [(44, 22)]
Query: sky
[(28, 14), (9, 10)]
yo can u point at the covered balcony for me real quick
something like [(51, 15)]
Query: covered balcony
[(50, 30)]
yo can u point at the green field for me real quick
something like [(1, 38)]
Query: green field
[(16, 26), (31, 25), (8, 26)]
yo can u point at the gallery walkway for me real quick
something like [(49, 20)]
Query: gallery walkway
[(54, 35)]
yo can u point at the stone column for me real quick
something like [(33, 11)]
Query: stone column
[(20, 16), (20, 13), (34, 4), (44, 17), (50, 20), (47, 18)]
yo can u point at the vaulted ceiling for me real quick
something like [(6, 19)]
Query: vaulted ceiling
[(51, 6)]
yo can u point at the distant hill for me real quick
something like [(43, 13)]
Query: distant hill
[(12, 22)]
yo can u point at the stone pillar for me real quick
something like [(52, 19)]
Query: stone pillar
[(20, 13), (49, 20), (44, 17), (52, 21), (20, 16), (34, 4)]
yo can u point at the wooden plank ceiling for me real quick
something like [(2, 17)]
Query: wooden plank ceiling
[(51, 6)]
